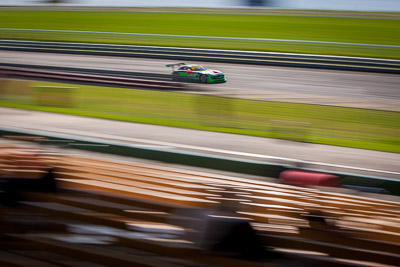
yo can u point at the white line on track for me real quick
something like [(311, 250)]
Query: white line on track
[(176, 145)]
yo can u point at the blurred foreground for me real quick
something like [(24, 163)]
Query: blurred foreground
[(71, 210)]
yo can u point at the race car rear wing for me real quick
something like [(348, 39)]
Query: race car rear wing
[(175, 65)]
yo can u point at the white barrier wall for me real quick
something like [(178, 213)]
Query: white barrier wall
[(358, 5)]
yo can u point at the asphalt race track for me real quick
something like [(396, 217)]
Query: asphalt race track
[(341, 88)]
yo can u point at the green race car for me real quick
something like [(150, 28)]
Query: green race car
[(195, 73)]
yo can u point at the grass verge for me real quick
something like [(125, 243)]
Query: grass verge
[(351, 127), (363, 29)]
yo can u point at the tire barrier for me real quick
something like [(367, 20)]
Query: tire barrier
[(307, 178)]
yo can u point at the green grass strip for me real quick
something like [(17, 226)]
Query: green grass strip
[(319, 28), (351, 127)]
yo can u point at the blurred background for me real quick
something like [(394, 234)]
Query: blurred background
[(355, 5)]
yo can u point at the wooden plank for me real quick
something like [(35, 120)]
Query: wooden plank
[(136, 192), (103, 206), (165, 188), (156, 178)]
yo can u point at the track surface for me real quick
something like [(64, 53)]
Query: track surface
[(260, 82), (342, 88), (228, 145)]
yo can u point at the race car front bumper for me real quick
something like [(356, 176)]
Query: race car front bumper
[(216, 79)]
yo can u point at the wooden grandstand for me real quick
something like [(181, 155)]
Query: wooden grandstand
[(116, 213)]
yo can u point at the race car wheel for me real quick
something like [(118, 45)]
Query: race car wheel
[(203, 78), (175, 77)]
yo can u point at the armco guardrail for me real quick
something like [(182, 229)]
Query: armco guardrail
[(225, 56), (7, 71), (106, 72), (252, 167)]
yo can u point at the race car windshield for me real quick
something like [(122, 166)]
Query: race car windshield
[(198, 68)]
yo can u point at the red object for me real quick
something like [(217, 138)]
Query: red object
[(188, 71), (306, 178)]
